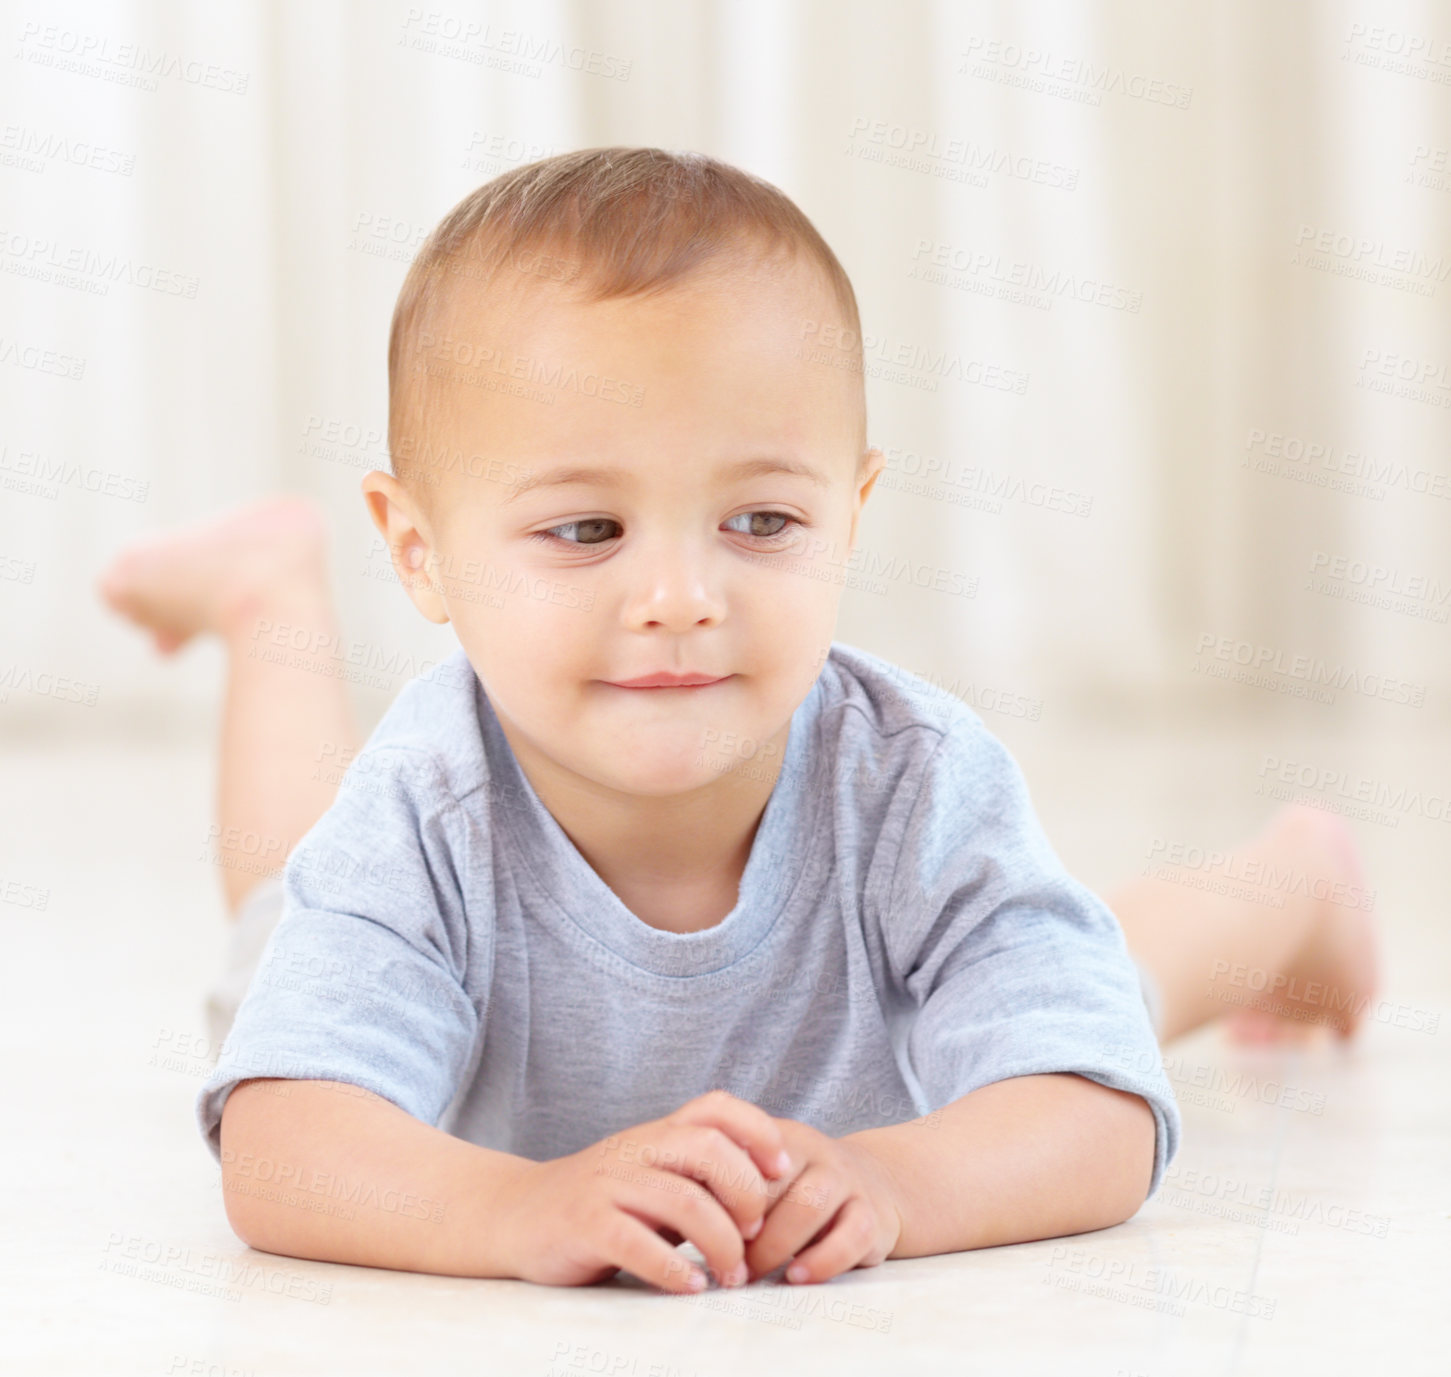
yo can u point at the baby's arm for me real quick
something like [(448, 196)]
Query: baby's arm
[(327, 1170), (1031, 1157), (1031, 1039)]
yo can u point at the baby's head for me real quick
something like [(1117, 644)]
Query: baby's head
[(628, 429)]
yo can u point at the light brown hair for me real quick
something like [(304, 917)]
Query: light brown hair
[(611, 222)]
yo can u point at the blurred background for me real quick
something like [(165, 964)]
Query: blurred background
[(1159, 352), (1157, 341)]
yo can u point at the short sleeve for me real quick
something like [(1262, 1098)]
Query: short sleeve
[(1016, 968), (364, 978)]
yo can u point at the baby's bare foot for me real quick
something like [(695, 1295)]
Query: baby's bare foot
[(1334, 976), (213, 575)]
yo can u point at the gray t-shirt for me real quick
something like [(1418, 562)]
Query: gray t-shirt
[(904, 933)]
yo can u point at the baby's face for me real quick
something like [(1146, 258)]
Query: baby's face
[(678, 493)]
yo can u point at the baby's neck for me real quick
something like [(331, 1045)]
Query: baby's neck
[(680, 874), (683, 909), (676, 864)]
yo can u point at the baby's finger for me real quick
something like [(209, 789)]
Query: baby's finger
[(746, 1123), (709, 1155), (803, 1212), (633, 1245), (661, 1197), (848, 1243)]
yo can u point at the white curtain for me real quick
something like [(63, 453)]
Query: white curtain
[(1156, 299)]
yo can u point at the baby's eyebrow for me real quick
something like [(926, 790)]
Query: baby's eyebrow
[(613, 476)]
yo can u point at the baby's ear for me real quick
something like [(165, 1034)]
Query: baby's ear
[(872, 463), (410, 547)]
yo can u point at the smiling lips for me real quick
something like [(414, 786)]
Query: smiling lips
[(648, 681)]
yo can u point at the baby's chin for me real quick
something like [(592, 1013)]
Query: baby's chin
[(663, 763), (659, 771)]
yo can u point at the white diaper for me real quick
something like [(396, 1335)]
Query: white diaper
[(1153, 1000), (250, 930)]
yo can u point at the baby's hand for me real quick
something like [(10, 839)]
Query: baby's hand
[(627, 1200), (837, 1209)]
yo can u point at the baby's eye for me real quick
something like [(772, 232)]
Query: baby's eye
[(588, 525), (767, 516), (591, 534)]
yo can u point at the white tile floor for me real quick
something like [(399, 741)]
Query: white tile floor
[(118, 1258)]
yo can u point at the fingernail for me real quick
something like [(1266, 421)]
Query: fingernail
[(736, 1276), (783, 1163), (751, 1230), (696, 1279), (796, 1272)]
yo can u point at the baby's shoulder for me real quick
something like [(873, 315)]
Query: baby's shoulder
[(886, 720), (899, 739), (430, 738)]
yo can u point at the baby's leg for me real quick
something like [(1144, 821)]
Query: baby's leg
[(1288, 948), (261, 566)]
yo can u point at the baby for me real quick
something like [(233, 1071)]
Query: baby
[(653, 914)]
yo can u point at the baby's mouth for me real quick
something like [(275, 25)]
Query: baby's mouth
[(655, 683)]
